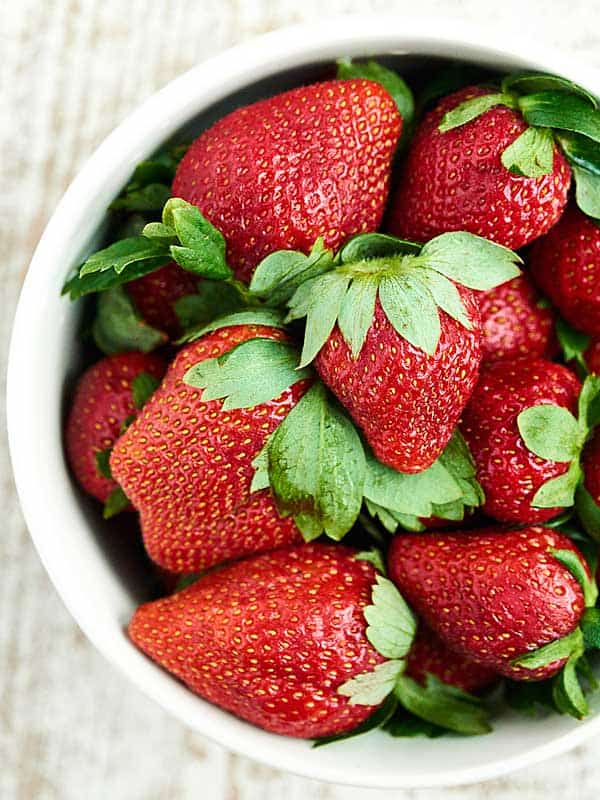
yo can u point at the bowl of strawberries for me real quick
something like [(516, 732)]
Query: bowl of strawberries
[(303, 396)]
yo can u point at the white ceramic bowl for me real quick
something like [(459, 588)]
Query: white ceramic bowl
[(101, 582)]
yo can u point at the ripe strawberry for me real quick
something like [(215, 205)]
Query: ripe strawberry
[(270, 638), (186, 465), (155, 294), (455, 179), (492, 595), (592, 356), (102, 402), (566, 266), (406, 401), (509, 472), (314, 161), (430, 654), (591, 467), (515, 322)]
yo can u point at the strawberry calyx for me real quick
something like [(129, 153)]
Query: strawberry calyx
[(557, 111), (412, 283), (553, 433)]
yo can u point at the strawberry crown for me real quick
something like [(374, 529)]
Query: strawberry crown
[(411, 281), (557, 111), (315, 463)]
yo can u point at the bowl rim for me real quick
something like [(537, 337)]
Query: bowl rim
[(101, 176)]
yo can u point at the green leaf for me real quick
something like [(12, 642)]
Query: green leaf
[(320, 300), (587, 191), (411, 310), (573, 563), (470, 260), (149, 198), (371, 688), (573, 342), (118, 328), (202, 249), (554, 651), (278, 275), (260, 479), (559, 492), (317, 465), (374, 557), (121, 254), (389, 79), (357, 311), (590, 627), (473, 108), (442, 705), (446, 296), (366, 246), (580, 151), (409, 494), (78, 286), (567, 112), (588, 511), (531, 154), (214, 299), (407, 725), (391, 624), (116, 502), (143, 387), (254, 372), (567, 692), (160, 232), (269, 317), (375, 720), (534, 82), (551, 432), (102, 458), (587, 405)]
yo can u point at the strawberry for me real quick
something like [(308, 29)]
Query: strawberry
[(516, 468), (155, 295), (107, 396), (277, 174), (515, 322), (455, 178), (270, 638), (430, 654), (202, 453), (566, 266), (591, 467), (395, 333), (592, 356), (494, 595)]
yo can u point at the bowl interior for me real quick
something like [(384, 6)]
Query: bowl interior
[(100, 569)]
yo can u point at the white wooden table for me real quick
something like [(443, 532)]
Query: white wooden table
[(71, 728)]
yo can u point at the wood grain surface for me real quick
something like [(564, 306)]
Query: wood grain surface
[(71, 728)]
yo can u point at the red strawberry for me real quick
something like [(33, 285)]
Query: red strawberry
[(493, 595), (509, 472), (566, 266), (103, 400), (455, 180), (429, 654), (154, 296), (515, 323), (591, 467), (406, 401), (314, 161), (186, 465), (592, 357), (270, 638)]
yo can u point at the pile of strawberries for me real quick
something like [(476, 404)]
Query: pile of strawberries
[(315, 328)]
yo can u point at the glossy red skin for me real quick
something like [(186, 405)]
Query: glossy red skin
[(154, 296), (514, 323), (270, 638), (566, 266), (102, 401), (430, 654), (277, 174), (509, 473), (591, 466), (592, 357), (406, 402), (186, 466), (456, 181), (491, 594)]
